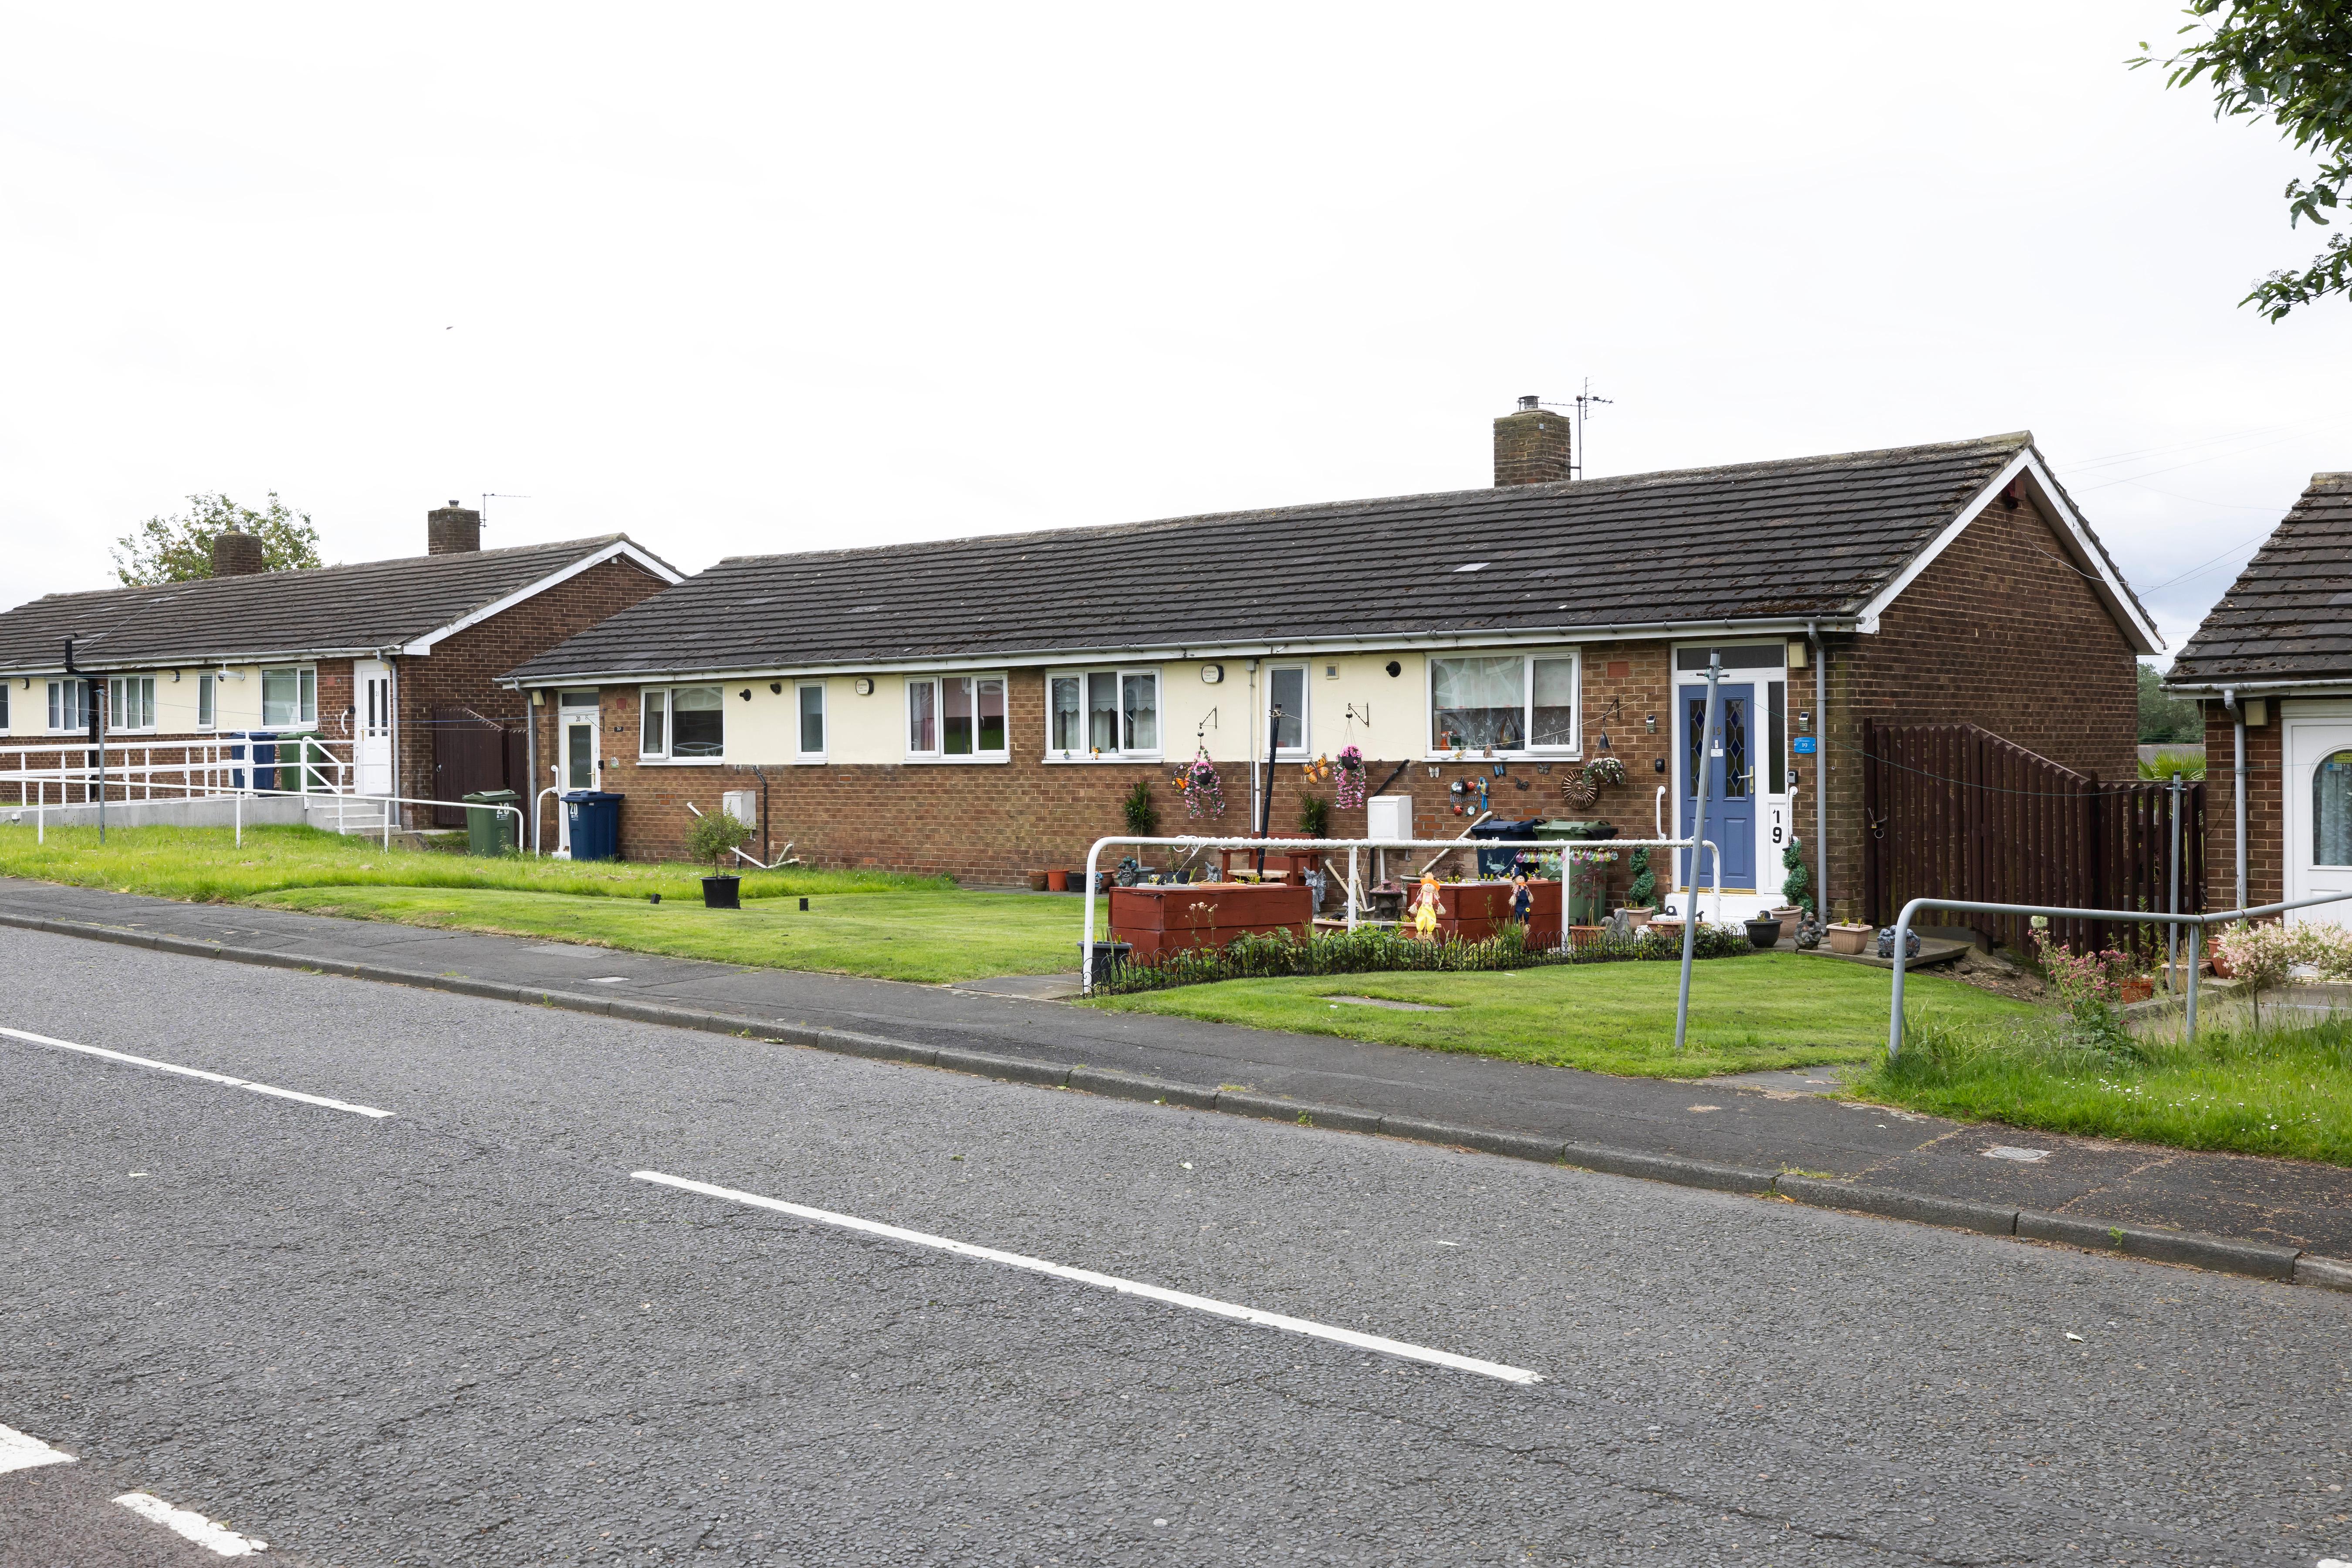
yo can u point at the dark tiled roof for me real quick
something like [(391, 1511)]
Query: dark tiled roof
[(374, 605), (1810, 536), (2289, 615)]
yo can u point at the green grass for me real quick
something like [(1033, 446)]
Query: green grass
[(2275, 1091), (206, 864), (1767, 1010), (933, 935)]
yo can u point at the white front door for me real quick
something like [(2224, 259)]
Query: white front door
[(371, 680), (2318, 785)]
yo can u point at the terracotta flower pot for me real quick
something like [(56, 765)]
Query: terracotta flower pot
[(1849, 939), (2134, 988), (1057, 881)]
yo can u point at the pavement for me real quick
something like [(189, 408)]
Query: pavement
[(1738, 1124), (466, 1331)]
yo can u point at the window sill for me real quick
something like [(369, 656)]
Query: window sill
[(1468, 759), (1050, 760), (811, 760), (681, 762), (959, 761)]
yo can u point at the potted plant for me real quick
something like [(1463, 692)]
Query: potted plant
[(715, 836), (1315, 817), (1642, 898), (1142, 815), (1850, 938), (1764, 931)]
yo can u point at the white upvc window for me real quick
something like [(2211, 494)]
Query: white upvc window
[(1500, 704), (4, 707), (129, 702), (956, 718), (1286, 712), (289, 697), (207, 702), (68, 706), (1110, 714), (682, 723), (809, 717)]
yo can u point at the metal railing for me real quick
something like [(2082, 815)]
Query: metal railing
[(205, 768), (2196, 924), (1353, 846), (342, 802)]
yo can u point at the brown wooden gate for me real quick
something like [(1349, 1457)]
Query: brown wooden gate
[(473, 752), (1954, 811)]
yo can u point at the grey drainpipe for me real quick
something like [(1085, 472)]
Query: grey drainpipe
[(1821, 771), (2238, 787)]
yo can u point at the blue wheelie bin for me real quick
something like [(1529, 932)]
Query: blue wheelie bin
[(1497, 863), (594, 816)]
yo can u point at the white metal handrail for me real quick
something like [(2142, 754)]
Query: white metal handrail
[(205, 767), (2196, 924), (1352, 846)]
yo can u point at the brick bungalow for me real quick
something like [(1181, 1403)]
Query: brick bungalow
[(981, 705), (392, 664), (2271, 666)]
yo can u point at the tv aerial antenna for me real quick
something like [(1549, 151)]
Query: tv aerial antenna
[(490, 496), (1581, 404)]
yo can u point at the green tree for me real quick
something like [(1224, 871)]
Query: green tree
[(2164, 717), (180, 549), (2289, 62)]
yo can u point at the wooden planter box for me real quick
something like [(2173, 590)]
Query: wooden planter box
[(1156, 921), (1473, 912)]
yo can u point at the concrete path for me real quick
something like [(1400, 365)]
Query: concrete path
[(1768, 1124), (472, 1331)]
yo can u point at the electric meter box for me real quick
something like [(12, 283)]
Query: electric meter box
[(1389, 817), (743, 805)]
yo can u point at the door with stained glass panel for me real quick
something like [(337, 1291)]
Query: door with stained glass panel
[(2318, 746), (1729, 769)]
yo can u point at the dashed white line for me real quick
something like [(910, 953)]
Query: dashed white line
[(219, 1078), (1397, 1348), (19, 1452), (191, 1524)]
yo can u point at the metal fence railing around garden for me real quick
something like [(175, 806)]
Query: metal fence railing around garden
[(2195, 925)]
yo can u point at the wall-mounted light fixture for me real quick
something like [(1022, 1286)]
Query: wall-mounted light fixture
[(776, 687), (1395, 668), (1651, 721), (863, 685), (745, 694), (1212, 673)]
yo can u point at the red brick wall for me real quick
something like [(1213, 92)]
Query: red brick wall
[(2001, 631), (2265, 810), (464, 668)]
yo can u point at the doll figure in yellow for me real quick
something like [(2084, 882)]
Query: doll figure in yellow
[(1425, 909)]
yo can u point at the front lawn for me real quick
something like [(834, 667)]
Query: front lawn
[(1766, 1010), (2271, 1090), (206, 865), (934, 935)]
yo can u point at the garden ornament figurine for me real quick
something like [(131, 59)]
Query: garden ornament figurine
[(1523, 902), (1424, 910)]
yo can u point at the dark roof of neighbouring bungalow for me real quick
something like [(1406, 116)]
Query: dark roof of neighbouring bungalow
[(302, 613), (1753, 541), (2289, 615)]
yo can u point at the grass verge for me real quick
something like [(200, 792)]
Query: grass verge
[(206, 864), (2270, 1091), (1767, 1010), (933, 935)]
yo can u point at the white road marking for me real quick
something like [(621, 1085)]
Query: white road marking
[(191, 1524), (19, 1452), (219, 1078), (1398, 1348)]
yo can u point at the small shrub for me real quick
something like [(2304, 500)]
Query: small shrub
[(1315, 817), (714, 836), (1142, 816), (1644, 893), (1797, 881)]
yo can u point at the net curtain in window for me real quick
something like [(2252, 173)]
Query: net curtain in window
[(2331, 811)]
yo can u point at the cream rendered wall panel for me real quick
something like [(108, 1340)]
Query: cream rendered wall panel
[(762, 730), (1396, 729), (871, 728)]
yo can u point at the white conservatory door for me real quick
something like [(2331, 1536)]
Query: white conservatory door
[(373, 746)]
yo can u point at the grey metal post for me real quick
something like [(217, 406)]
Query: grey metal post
[(98, 697), (1351, 886), (2195, 941), (1820, 774), (1697, 832), (2172, 932)]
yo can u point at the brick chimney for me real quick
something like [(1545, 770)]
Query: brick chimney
[(237, 554), (1530, 446), (453, 530)]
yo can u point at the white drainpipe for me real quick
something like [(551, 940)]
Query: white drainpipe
[(2238, 787)]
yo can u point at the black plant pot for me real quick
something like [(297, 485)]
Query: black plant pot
[(723, 892), (1763, 933)]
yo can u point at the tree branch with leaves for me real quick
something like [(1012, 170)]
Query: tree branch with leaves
[(180, 549)]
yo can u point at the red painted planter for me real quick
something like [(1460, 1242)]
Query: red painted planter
[(1156, 921)]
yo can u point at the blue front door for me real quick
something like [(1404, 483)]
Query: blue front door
[(1731, 775)]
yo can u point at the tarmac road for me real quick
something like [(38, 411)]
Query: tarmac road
[(464, 1333)]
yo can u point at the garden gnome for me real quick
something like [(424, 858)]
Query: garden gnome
[(1523, 902), (1425, 909)]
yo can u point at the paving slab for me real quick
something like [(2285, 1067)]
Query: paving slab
[(1748, 1122)]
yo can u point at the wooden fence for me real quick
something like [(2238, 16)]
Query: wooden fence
[(1954, 811)]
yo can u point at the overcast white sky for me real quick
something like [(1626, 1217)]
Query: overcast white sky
[(767, 279)]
